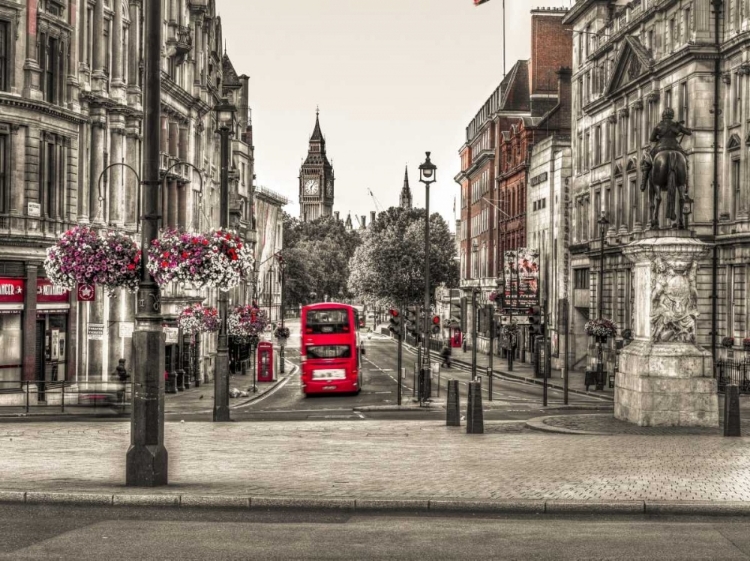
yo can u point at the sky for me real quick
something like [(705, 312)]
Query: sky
[(392, 79)]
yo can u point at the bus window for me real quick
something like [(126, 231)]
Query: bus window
[(327, 321)]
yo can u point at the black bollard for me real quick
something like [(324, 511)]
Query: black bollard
[(474, 413), (489, 383), (453, 410), (732, 411)]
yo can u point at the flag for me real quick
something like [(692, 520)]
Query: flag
[(454, 206), (478, 2)]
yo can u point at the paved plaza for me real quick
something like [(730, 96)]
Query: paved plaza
[(383, 460)]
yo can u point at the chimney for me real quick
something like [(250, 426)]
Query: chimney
[(551, 48), (244, 101), (336, 214), (564, 93), (372, 217), (364, 221)]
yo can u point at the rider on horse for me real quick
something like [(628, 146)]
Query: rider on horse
[(666, 136)]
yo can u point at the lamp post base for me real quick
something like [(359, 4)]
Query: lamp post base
[(221, 388), (147, 466)]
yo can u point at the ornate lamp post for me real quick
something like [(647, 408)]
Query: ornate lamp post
[(147, 460), (282, 267), (428, 176), (603, 223), (225, 119)]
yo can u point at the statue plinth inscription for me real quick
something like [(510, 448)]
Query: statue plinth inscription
[(665, 378)]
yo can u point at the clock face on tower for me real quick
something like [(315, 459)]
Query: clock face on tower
[(329, 188), (311, 186)]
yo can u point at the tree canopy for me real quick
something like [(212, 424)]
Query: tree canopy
[(317, 256), (387, 269)]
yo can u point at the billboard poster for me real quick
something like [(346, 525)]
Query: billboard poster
[(521, 275)]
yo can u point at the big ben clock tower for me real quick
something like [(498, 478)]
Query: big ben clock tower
[(316, 179)]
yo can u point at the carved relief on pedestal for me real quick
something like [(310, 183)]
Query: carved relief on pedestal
[(674, 300)]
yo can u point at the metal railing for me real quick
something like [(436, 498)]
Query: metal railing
[(66, 396), (734, 372)]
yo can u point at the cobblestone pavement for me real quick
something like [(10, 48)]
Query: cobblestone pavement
[(383, 459), (607, 424)]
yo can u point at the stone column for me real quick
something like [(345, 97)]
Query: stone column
[(171, 203), (117, 173), (198, 78), (98, 75), (83, 38), (114, 316), (72, 77), (134, 54), (95, 348), (29, 322), (132, 190), (98, 146), (665, 378), (18, 181), (118, 79), (84, 186), (31, 70)]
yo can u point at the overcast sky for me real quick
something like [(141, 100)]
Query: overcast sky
[(393, 78)]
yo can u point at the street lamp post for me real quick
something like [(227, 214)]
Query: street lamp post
[(225, 118), (146, 461), (603, 223), (427, 175), (474, 290)]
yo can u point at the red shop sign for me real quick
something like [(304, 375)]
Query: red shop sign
[(12, 291), (86, 292), (48, 292)]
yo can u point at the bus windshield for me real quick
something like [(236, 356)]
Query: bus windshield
[(327, 321)]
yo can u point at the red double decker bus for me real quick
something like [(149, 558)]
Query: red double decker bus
[(330, 349)]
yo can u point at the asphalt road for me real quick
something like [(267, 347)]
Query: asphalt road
[(81, 533)]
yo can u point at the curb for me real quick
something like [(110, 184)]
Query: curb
[(538, 424), (442, 506), (374, 408)]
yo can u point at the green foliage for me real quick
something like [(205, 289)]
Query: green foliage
[(317, 256), (388, 268)]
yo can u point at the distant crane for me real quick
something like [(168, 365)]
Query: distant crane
[(378, 206)]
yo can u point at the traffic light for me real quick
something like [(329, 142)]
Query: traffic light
[(535, 321), (436, 325), (411, 321), (394, 322)]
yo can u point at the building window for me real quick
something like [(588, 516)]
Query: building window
[(633, 203), (49, 62), (4, 56), (4, 175), (10, 348), (668, 98), (620, 203), (736, 185), (51, 176), (597, 211), (581, 279), (672, 35), (598, 145), (684, 103), (579, 162), (587, 150), (686, 25), (737, 98)]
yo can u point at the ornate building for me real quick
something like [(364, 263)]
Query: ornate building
[(316, 179), (633, 60), (70, 108)]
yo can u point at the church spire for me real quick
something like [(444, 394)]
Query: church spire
[(405, 200)]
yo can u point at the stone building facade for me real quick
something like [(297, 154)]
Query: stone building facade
[(71, 107), (631, 61)]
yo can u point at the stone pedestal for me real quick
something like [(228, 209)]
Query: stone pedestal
[(665, 379)]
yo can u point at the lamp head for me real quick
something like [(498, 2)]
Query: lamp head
[(225, 114), (427, 171)]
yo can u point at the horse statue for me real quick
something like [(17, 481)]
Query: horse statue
[(665, 168)]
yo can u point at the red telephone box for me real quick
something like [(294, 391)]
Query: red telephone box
[(265, 361)]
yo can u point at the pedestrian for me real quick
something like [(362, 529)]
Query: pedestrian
[(122, 374), (445, 353)]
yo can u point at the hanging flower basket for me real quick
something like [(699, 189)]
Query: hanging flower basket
[(727, 342), (219, 259), (246, 321), (281, 333), (82, 256), (509, 329), (601, 328), (198, 319), (494, 295)]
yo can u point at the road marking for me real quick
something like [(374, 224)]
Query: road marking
[(361, 416)]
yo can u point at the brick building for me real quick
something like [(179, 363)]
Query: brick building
[(524, 109), (71, 98)]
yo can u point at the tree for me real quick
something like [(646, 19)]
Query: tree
[(317, 256), (388, 267)]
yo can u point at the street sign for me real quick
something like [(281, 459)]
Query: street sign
[(172, 335), (86, 292), (126, 329), (96, 332)]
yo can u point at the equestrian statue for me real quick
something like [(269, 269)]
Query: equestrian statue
[(665, 168)]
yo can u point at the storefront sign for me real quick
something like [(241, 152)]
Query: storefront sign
[(172, 335), (48, 292), (96, 332), (86, 292), (126, 329), (12, 291)]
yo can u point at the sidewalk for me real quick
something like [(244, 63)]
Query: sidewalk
[(319, 462)]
